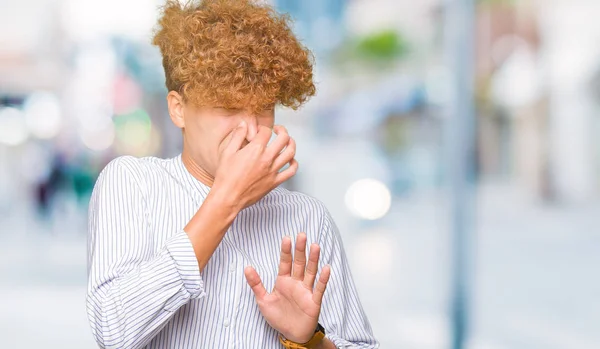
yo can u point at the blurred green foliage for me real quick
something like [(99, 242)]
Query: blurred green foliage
[(383, 45), (375, 50)]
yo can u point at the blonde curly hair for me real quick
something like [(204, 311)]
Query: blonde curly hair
[(233, 53)]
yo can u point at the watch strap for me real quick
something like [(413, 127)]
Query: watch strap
[(312, 343)]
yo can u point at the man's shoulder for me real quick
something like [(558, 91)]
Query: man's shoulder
[(131, 168), (298, 207), (285, 197)]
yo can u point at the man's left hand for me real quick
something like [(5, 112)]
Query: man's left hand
[(293, 307)]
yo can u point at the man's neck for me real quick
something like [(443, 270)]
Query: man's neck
[(196, 170)]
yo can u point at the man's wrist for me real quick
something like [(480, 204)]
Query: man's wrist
[(221, 204), (214, 215)]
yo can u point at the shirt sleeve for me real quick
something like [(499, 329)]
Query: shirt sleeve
[(342, 314), (133, 290)]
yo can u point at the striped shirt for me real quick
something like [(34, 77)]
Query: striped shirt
[(145, 289)]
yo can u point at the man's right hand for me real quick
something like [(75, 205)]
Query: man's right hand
[(248, 173)]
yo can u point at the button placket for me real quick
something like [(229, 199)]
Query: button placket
[(240, 283), (229, 321), (226, 267), (233, 272)]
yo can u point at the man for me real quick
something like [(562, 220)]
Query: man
[(183, 251)]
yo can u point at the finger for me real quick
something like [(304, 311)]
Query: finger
[(262, 136), (286, 156), (299, 257), (285, 262), (281, 141), (238, 136), (254, 281), (321, 285), (311, 267), (287, 173)]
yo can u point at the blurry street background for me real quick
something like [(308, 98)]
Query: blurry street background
[(80, 84)]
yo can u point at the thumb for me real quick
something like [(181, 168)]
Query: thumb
[(254, 282)]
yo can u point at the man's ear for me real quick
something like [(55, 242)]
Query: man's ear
[(175, 102)]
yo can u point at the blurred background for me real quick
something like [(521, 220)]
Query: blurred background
[(80, 84)]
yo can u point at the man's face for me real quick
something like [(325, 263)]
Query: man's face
[(207, 130)]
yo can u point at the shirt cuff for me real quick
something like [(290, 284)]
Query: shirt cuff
[(181, 250), (341, 343)]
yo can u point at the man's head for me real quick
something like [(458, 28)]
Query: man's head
[(226, 61)]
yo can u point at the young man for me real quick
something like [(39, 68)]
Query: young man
[(196, 251)]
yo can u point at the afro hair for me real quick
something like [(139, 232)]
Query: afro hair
[(233, 53)]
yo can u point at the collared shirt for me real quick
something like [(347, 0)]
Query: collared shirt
[(145, 289)]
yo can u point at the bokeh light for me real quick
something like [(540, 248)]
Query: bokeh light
[(368, 199), (43, 115), (99, 139), (133, 132), (13, 130)]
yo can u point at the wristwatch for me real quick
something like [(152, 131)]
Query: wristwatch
[(312, 343)]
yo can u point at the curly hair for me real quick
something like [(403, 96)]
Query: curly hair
[(233, 53)]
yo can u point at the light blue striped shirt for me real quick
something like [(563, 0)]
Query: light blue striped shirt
[(145, 289)]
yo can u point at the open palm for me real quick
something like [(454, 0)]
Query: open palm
[(293, 307)]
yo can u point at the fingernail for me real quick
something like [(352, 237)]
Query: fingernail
[(242, 124)]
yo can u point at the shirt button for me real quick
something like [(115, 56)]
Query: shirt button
[(226, 323), (232, 267)]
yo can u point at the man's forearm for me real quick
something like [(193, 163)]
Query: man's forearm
[(208, 226)]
